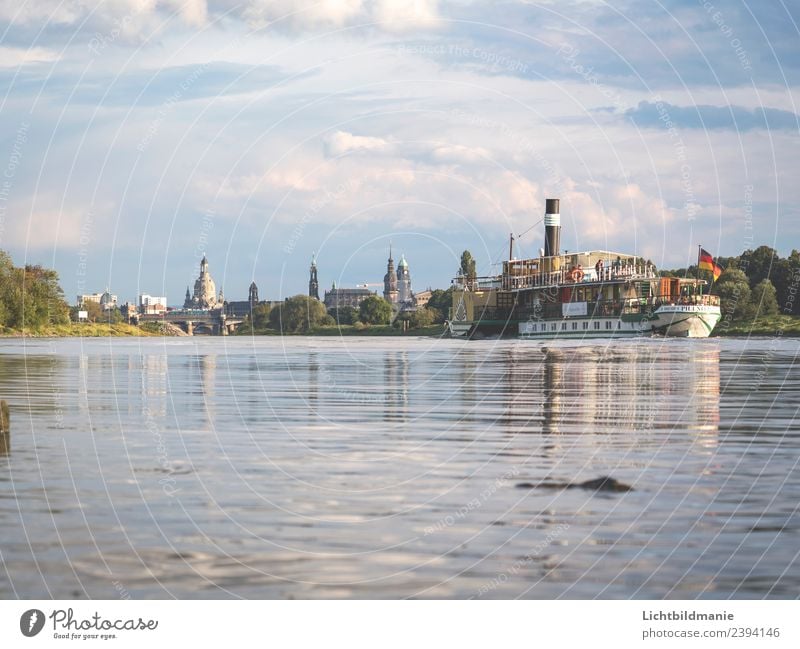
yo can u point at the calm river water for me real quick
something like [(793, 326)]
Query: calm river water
[(399, 467)]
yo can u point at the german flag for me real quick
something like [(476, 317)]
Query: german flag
[(706, 262)]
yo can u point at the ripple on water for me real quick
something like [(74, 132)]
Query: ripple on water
[(387, 468)]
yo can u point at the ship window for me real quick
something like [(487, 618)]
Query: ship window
[(585, 325), (597, 324), (574, 325), (553, 327), (608, 324), (563, 326), (619, 325)]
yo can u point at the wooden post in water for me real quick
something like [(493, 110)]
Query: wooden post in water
[(5, 429)]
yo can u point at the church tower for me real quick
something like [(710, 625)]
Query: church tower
[(313, 282), (253, 295), (205, 291), (404, 293), (390, 281)]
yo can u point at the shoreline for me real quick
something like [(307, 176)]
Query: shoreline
[(772, 326)]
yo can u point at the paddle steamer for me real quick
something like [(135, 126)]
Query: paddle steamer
[(595, 294)]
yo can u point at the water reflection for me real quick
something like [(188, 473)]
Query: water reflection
[(591, 389), (382, 468)]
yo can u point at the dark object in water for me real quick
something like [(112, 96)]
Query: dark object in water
[(5, 429), (605, 483)]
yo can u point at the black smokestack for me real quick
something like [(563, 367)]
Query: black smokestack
[(552, 228)]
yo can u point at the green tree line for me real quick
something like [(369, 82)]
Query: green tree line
[(755, 283), (30, 296)]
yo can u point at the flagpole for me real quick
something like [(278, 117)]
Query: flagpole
[(697, 272)]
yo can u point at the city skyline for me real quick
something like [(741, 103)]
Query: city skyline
[(139, 138)]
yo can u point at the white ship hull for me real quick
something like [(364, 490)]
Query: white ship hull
[(670, 320), (609, 327), (686, 321)]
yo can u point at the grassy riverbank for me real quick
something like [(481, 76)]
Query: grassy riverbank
[(80, 330), (351, 330), (774, 325)]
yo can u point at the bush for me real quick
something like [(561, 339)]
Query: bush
[(297, 314), (375, 310), (345, 315), (764, 299), (734, 292), (424, 317), (30, 297)]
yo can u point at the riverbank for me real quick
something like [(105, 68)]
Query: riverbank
[(81, 330), (352, 330), (775, 325), (780, 325)]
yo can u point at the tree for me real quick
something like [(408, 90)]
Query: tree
[(297, 314), (424, 317), (467, 268), (758, 264), (734, 292), (764, 299), (94, 312), (30, 297), (375, 310), (442, 301), (260, 316), (344, 315)]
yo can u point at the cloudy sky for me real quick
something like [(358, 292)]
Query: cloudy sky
[(139, 134)]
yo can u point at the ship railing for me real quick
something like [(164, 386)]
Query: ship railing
[(613, 308), (487, 283), (685, 300), (589, 275)]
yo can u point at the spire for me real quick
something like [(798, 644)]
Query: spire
[(313, 282)]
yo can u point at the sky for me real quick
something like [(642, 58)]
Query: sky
[(139, 135)]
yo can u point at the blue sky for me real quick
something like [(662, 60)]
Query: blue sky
[(139, 134)]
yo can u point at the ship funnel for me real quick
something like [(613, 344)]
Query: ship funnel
[(552, 228)]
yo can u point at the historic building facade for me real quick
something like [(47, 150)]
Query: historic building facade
[(337, 298), (241, 308), (390, 281), (205, 291), (313, 282), (404, 293), (397, 285)]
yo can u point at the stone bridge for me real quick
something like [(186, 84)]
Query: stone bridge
[(210, 323)]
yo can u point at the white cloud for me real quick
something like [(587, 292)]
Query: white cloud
[(11, 57), (342, 142), (303, 13), (400, 15), (290, 15), (460, 154)]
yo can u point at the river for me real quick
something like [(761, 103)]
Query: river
[(399, 468)]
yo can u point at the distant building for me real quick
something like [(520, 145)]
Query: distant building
[(313, 282), (404, 293), (422, 298), (397, 285), (390, 281), (205, 291), (106, 300), (240, 309), (337, 298), (150, 305)]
